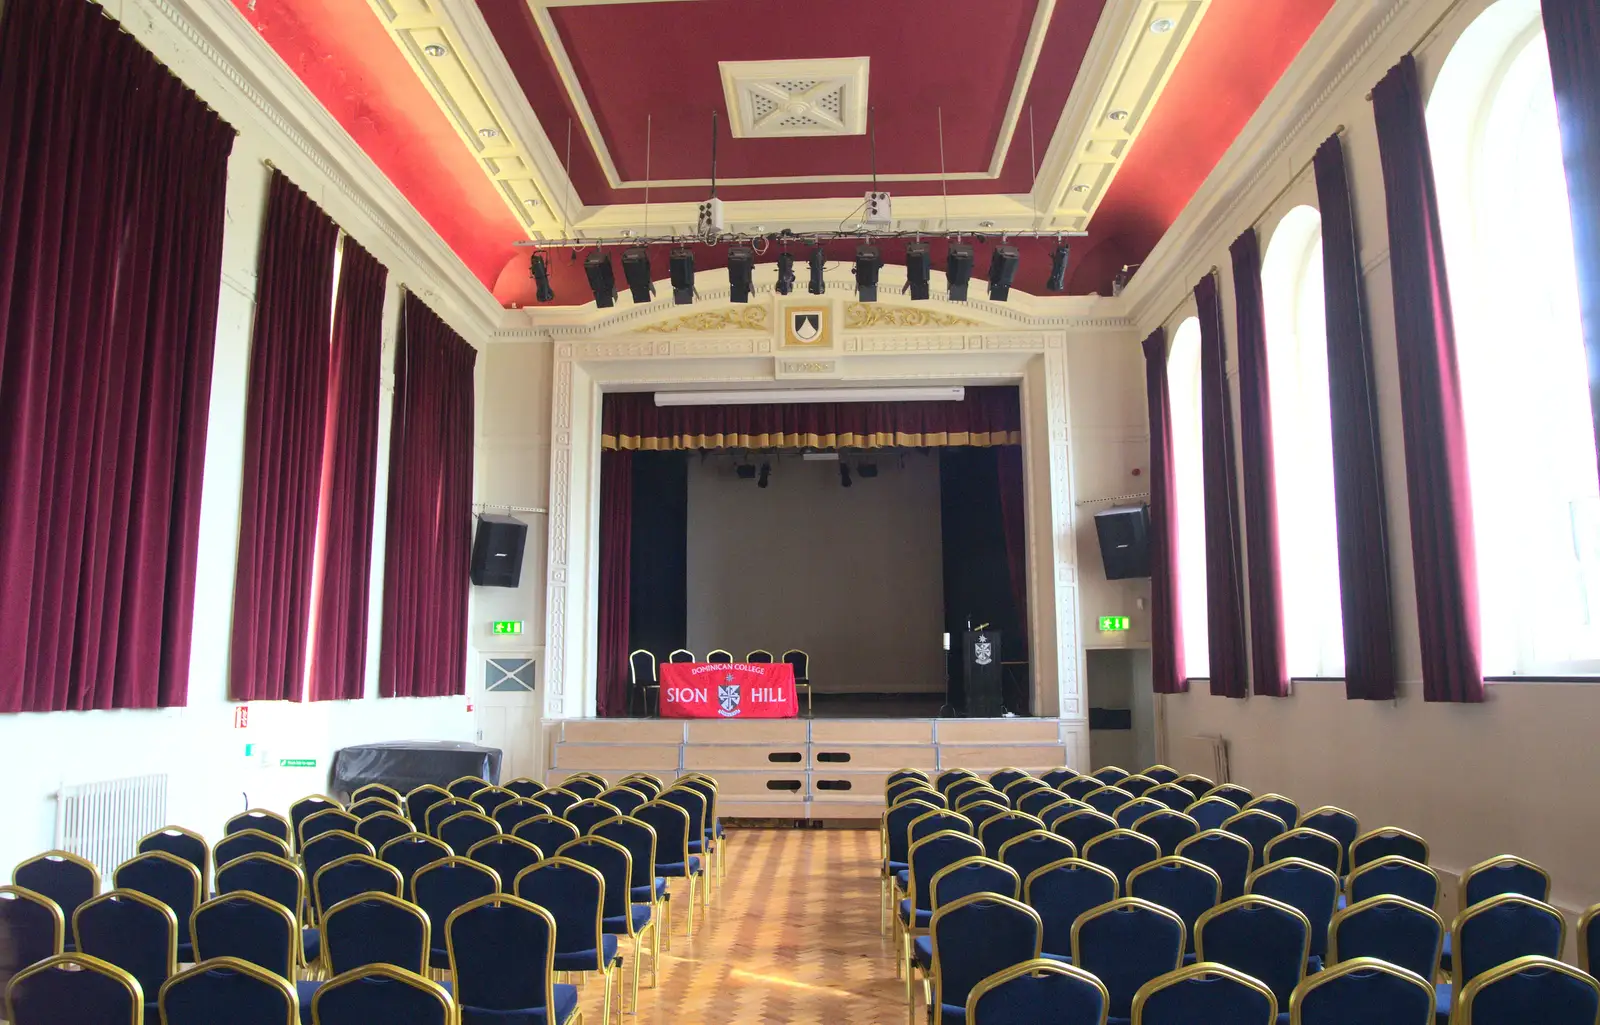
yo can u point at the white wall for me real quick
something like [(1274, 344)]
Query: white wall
[(853, 576)]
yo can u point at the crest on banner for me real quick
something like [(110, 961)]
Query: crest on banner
[(983, 650), (728, 697)]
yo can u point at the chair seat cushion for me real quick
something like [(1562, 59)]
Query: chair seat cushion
[(307, 991), (675, 869), (439, 957), (564, 1003), (922, 951), (924, 916), (952, 1014), (616, 923), (588, 960), (1441, 1003), (642, 893), (1063, 958), (903, 877), (1446, 958), (894, 868), (697, 846), (1314, 964), (311, 943)]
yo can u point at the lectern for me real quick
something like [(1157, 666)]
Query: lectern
[(980, 675)]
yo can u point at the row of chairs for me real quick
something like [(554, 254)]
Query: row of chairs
[(646, 683), (1271, 901)]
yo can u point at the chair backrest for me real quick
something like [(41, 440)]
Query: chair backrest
[(671, 825), (1531, 989), (574, 894), (1184, 887), (559, 799), (1502, 929), (1126, 943), (641, 667), (270, 876), (1204, 992), (64, 877), (1226, 854), (132, 930), (249, 927), (1059, 775), (1262, 937), (1363, 989), (465, 828), (760, 655), (380, 790), (1196, 784), (903, 774), (303, 809), (1506, 873), (522, 786), (1129, 813), (419, 800), (1384, 841), (1397, 875), (897, 826), (719, 655), (1107, 799), (228, 989), (507, 855), (513, 813), (931, 853), (1110, 775), (589, 812), (181, 843), (166, 877), (693, 802), (1588, 937), (1162, 773), (246, 841), (73, 988), (624, 798), (381, 993), (491, 798), (547, 832), (614, 864), (1172, 795), (1303, 885), (1034, 850), (466, 786), (326, 848), (1391, 929), (372, 805), (1063, 890), (584, 787), (379, 828), (1276, 804), (681, 655), (801, 662), (960, 786), (1307, 844), (411, 853), (998, 828), (1137, 784), (1038, 799), (1211, 812), (938, 821), (1233, 792), (1002, 778), (974, 937), (639, 840), (33, 926), (706, 787), (447, 884), (375, 928), (1258, 827), (1167, 828), (502, 955), (949, 777), (328, 820), (972, 875), (440, 811), (892, 791), (1080, 787), (1083, 826), (352, 875), (1122, 851), (1054, 813), (1342, 825), (1038, 990)]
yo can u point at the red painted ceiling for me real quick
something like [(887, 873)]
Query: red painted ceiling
[(661, 58)]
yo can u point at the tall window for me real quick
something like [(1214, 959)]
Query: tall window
[(1302, 440), (1530, 442), (1183, 379)]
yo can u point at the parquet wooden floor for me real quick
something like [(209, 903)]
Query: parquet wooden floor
[(793, 938)]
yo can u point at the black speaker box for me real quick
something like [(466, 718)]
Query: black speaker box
[(1124, 541), (497, 551)]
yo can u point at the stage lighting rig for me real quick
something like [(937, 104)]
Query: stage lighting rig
[(681, 267), (741, 269), (602, 278), (636, 269), (1002, 269), (868, 262), (819, 267), (541, 278), (785, 283), (919, 265), (958, 271), (1058, 268)]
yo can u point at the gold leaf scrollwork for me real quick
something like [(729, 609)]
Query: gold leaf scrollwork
[(741, 318), (858, 316)]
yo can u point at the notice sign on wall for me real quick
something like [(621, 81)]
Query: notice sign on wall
[(297, 763), (505, 626), (1114, 624)]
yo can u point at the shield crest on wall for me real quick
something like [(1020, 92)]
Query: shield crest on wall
[(728, 698), (807, 326), (983, 651)]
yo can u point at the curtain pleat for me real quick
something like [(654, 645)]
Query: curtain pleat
[(285, 417), (1438, 489), (1166, 620), (428, 543), (1224, 580), (1358, 491), (113, 179), (616, 553), (350, 470), (1013, 523)]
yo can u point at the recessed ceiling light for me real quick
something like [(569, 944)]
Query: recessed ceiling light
[(985, 224), (1161, 26), (488, 133), (434, 50), (1118, 115), (1080, 188)]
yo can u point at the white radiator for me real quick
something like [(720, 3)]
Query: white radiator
[(104, 821)]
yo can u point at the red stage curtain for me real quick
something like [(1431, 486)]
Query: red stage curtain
[(113, 177), (616, 553), (1268, 661), (987, 416), (283, 433), (1224, 581), (429, 539), (1430, 398), (349, 477), (1013, 523), (1572, 33), (1166, 622), (1358, 493)]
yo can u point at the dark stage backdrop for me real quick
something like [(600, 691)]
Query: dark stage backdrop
[(658, 616)]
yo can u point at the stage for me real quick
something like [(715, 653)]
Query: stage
[(809, 769)]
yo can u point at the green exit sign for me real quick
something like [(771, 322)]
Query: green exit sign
[(506, 626), (1113, 624), (297, 763)]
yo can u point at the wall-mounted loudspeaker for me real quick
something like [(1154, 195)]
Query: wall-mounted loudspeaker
[(497, 551), (1124, 541)]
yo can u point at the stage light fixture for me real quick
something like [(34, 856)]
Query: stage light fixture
[(766, 475), (602, 278), (958, 271), (541, 277), (819, 266), (1002, 269), (919, 265), (741, 269), (745, 471), (844, 475), (868, 263), (681, 267), (636, 268), (785, 283), (867, 471), (1058, 268)]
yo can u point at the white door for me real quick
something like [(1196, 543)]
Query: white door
[(508, 711)]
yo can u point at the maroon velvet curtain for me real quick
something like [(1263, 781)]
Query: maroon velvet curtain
[(1224, 581), (1166, 621), (986, 416), (1572, 33), (1437, 484), (1013, 523), (616, 554), (349, 477), (1268, 661), (283, 433), (428, 543), (113, 178), (1358, 493)]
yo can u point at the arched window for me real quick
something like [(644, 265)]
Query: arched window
[(1524, 383), (1302, 440), (1183, 382)]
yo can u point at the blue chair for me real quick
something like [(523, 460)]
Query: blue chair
[(585, 786), (1397, 876), (1226, 854), (250, 928), (423, 798), (1111, 775), (589, 812), (329, 820), (1138, 784), (1342, 825), (895, 839), (969, 876), (350, 876), (1061, 809), (938, 821), (906, 789), (1186, 888), (246, 841), (33, 925), (960, 788), (379, 828), (644, 885), (972, 938), (1167, 828), (73, 989), (461, 831), (1276, 804), (1162, 774), (276, 879), (925, 794), (227, 989), (326, 848), (1172, 795), (1056, 777), (382, 993), (1036, 801), (1211, 812), (1308, 845), (1362, 989), (514, 813), (507, 855), (994, 831), (1495, 932), (1107, 799), (1503, 874), (522, 786), (441, 811), (375, 928), (1231, 792), (502, 959), (1017, 789), (466, 786), (914, 913), (982, 810), (1083, 825), (1125, 944), (1204, 994), (269, 822), (299, 811), (185, 844), (1036, 991), (916, 775), (620, 914), (449, 883), (1310, 888), (1002, 778), (1062, 891), (947, 779), (1130, 813), (379, 790), (62, 876), (372, 805), (624, 798), (1121, 851), (1531, 989), (1034, 850), (574, 895), (1390, 929), (169, 879), (1258, 828), (135, 932), (698, 808), (491, 799), (1266, 939), (1080, 787), (672, 826), (410, 854), (1588, 937), (547, 832), (1384, 841)]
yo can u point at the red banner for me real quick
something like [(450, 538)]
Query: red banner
[(728, 690)]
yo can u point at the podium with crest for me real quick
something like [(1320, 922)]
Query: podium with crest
[(981, 682)]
